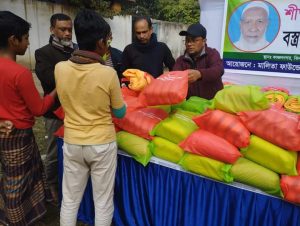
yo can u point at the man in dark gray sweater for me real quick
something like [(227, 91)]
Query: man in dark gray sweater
[(59, 48), (146, 53)]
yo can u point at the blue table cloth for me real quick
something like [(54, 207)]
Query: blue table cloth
[(161, 194)]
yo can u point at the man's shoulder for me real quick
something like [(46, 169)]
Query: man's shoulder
[(207, 48), (104, 68), (15, 68), (115, 53), (210, 50), (162, 44), (115, 50), (181, 58), (19, 68), (96, 67), (128, 47), (48, 50), (99, 69), (44, 48)]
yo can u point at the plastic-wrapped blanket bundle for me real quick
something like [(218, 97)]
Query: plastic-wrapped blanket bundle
[(236, 98), (207, 167), (271, 156), (298, 163), (175, 128), (209, 145), (169, 88), (255, 175), (142, 121), (224, 125), (166, 150), (290, 186), (194, 104), (131, 99), (136, 146), (274, 125)]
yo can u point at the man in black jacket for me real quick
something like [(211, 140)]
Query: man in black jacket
[(146, 53), (113, 57), (59, 49)]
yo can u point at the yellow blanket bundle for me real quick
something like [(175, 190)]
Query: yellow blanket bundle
[(276, 97), (293, 104), (138, 79)]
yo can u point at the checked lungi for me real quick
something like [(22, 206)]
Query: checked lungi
[(23, 191)]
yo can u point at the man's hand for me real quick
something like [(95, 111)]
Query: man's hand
[(6, 126), (194, 75)]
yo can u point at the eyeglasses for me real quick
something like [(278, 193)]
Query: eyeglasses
[(193, 40)]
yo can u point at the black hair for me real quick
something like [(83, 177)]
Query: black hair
[(89, 28), (11, 24), (58, 16), (139, 18)]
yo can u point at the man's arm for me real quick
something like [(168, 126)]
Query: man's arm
[(215, 67), (117, 104), (169, 60), (178, 66), (125, 60), (44, 70), (6, 126), (116, 57), (26, 88)]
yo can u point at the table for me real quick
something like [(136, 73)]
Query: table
[(162, 194)]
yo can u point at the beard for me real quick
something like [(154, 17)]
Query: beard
[(65, 42)]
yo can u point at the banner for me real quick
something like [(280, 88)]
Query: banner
[(262, 37)]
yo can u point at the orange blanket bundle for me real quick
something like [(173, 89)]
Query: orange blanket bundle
[(142, 121), (126, 92), (290, 186), (131, 99), (138, 79), (169, 88), (209, 145), (224, 125), (274, 125)]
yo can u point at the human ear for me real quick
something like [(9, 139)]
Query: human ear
[(101, 43), (13, 41), (151, 30)]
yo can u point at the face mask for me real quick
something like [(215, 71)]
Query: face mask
[(105, 57)]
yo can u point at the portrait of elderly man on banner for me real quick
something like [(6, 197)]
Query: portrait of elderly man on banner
[(251, 28)]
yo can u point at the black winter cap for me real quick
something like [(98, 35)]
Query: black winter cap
[(194, 30)]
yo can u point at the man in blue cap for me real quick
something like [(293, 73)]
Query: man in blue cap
[(204, 63)]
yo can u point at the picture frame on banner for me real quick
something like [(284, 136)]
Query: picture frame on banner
[(262, 37)]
